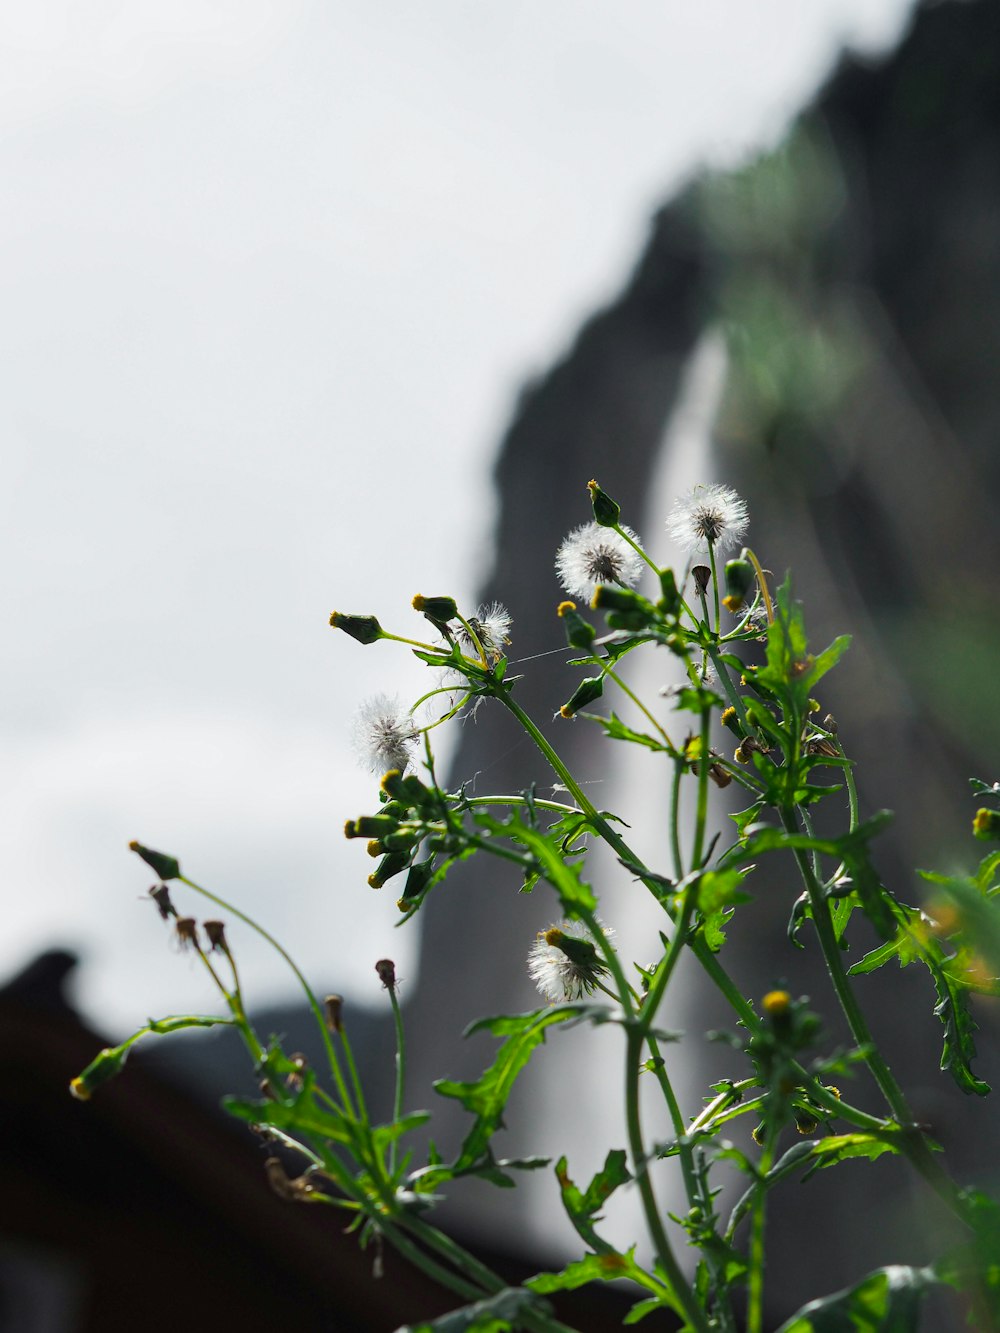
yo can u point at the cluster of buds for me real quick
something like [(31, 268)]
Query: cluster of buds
[(409, 814)]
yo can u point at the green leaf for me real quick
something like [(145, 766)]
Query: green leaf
[(641, 1309), (584, 1208), (604, 1267), (616, 730), (959, 1049), (698, 698), (493, 1314), (564, 877), (838, 1147), (487, 1097), (791, 671), (886, 1301)]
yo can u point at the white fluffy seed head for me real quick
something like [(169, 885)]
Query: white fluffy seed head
[(559, 977), (492, 627), (383, 734), (592, 555), (710, 515)]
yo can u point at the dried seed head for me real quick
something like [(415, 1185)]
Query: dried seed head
[(334, 1012), (187, 932), (216, 932), (386, 970), (160, 895)]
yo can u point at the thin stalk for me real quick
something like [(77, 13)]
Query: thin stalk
[(762, 584), (715, 585), (701, 816), (682, 1293), (397, 1104), (675, 826), (331, 1054), (755, 1278)]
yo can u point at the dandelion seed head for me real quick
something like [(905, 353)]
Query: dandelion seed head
[(491, 625), (710, 515), (592, 555), (383, 734), (558, 976)]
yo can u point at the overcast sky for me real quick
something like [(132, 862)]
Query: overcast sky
[(270, 278)]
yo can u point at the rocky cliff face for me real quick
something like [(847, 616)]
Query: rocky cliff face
[(846, 288)]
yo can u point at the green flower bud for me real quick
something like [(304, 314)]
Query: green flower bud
[(373, 826), (438, 609), (589, 689), (740, 578), (580, 633), (393, 863), (609, 598), (365, 629), (105, 1066), (606, 512), (416, 883), (167, 867), (986, 825)]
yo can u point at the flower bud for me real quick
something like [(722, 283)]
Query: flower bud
[(589, 689), (609, 598), (393, 863), (580, 633), (365, 629), (438, 609), (740, 576), (166, 867), (103, 1067), (731, 721), (373, 826), (986, 825), (776, 1003), (416, 883), (606, 512)]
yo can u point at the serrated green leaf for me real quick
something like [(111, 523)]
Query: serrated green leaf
[(838, 1147), (886, 1301), (603, 1267), (487, 1096), (583, 1208), (696, 698), (616, 730)]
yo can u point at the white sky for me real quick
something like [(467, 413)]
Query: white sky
[(270, 277)]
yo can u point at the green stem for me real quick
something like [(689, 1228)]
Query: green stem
[(397, 1104), (715, 585), (701, 817), (755, 1279), (682, 1293), (675, 819), (914, 1143), (331, 1054)]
